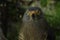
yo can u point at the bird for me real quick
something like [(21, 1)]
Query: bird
[(34, 26)]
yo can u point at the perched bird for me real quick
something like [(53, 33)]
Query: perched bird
[(34, 26)]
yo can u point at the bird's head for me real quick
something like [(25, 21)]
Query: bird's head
[(33, 13)]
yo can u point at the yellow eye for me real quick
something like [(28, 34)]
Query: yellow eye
[(37, 12), (31, 12)]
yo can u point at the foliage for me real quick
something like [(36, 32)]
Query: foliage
[(43, 3)]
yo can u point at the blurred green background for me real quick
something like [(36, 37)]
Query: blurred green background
[(52, 14), (15, 10)]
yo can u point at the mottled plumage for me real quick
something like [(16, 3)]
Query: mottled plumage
[(34, 26)]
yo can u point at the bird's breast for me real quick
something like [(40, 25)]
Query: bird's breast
[(32, 31)]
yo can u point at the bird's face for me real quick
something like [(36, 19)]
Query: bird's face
[(33, 14)]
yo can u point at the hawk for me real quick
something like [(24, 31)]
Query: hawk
[(34, 26)]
